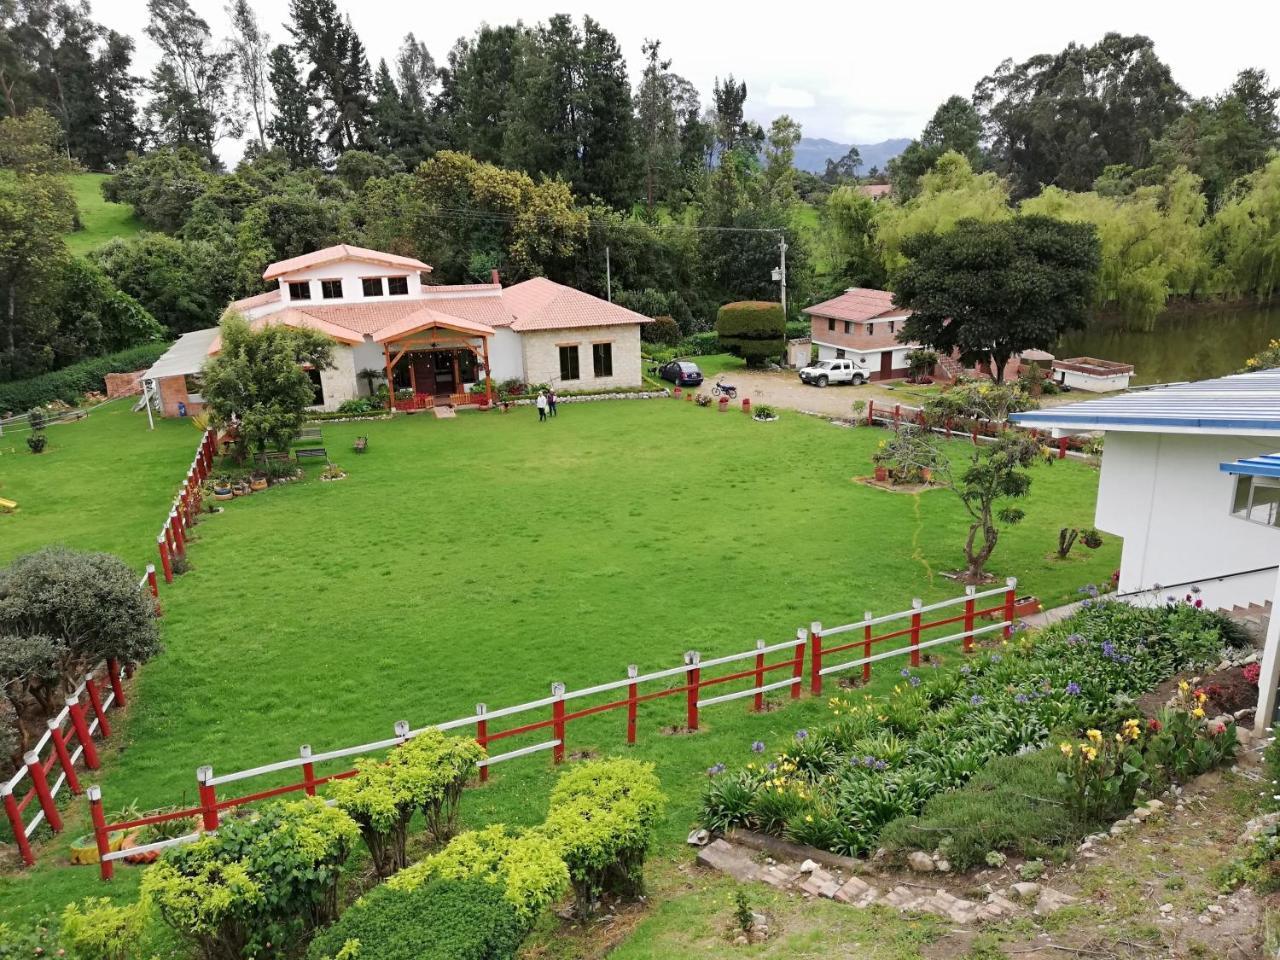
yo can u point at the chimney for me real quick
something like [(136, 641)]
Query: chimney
[(494, 278)]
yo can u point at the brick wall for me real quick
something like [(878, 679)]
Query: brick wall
[(124, 384)]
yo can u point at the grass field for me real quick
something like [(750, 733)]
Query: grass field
[(483, 558), (100, 221)]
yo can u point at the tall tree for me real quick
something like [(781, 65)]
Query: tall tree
[(416, 75), (339, 78), (780, 157), (731, 128), (1059, 119), (477, 88), (191, 102), (291, 129), (120, 134), (606, 136), (991, 290), (658, 127), (843, 169), (955, 126), (251, 43), (543, 118)]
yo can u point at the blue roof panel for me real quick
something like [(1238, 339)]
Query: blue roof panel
[(1264, 466)]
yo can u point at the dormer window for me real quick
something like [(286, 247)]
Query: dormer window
[(300, 290), (331, 289), (398, 286), (371, 286)]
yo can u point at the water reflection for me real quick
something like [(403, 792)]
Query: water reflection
[(1184, 344)]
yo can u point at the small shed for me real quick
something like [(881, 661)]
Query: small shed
[(1092, 375), (799, 352), (166, 383)]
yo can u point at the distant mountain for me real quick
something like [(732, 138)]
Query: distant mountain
[(812, 153)]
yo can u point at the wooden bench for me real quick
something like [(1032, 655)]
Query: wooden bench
[(267, 456), (361, 444), (310, 453)]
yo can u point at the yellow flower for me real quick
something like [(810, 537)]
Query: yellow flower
[(1184, 686), (1088, 752), (808, 818), (1094, 735), (1119, 739), (1066, 749), (1198, 712)]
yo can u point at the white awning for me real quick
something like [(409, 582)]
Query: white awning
[(187, 355)]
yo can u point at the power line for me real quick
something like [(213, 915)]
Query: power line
[(455, 213)]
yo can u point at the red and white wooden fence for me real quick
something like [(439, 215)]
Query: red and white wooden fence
[(63, 746), (699, 682)]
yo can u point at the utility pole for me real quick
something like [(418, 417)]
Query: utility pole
[(608, 275), (782, 253)]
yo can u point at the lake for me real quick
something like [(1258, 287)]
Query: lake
[(1185, 344)]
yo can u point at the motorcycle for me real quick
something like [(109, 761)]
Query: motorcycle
[(728, 390)]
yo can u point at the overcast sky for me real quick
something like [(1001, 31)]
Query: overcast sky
[(857, 73)]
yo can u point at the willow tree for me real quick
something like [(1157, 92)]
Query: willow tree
[(1245, 238)]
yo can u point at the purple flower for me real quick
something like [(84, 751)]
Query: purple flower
[(1074, 638), (1195, 588), (715, 769), (802, 735), (904, 672), (965, 671), (1022, 698), (1020, 626), (881, 765), (771, 767), (996, 658), (914, 681), (757, 747), (1109, 649), (975, 701), (1073, 688), (1170, 599), (1086, 604), (868, 761)]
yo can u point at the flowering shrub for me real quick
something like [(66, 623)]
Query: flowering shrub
[(1105, 772), (1252, 671), (880, 758), (97, 929)]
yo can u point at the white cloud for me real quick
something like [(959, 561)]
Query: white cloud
[(789, 98)]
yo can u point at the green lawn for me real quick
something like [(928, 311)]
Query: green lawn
[(100, 221), (484, 557), (101, 484)]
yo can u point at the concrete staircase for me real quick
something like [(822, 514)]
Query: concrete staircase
[(1255, 618)]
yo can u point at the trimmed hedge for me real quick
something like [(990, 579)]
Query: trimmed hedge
[(440, 920), (71, 383), (752, 329)]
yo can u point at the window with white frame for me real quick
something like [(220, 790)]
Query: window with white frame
[(1257, 499)]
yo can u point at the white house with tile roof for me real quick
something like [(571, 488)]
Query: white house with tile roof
[(1191, 480), (435, 343)]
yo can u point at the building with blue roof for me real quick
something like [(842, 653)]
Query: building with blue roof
[(1191, 480)]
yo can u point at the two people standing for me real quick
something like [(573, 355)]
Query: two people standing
[(546, 403)]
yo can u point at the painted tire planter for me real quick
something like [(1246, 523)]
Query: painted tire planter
[(84, 849), (258, 484), (129, 842)]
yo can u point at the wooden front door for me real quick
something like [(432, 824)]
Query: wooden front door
[(442, 370), (886, 364)]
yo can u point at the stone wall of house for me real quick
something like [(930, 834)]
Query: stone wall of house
[(339, 382), (542, 356)]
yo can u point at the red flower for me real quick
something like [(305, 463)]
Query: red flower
[(1251, 672), (1154, 725), (1199, 603)]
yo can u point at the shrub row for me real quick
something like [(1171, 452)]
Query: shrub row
[(882, 758), (71, 383)]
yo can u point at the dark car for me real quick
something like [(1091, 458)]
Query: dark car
[(681, 372)]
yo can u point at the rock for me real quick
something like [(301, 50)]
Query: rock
[(741, 940), (699, 838), (1155, 804), (1215, 908), (1025, 891), (920, 862), (880, 854), (1002, 903), (1052, 900), (1244, 736), (808, 866), (1166, 908), (857, 892), (1119, 827), (942, 866), (725, 857), (779, 876), (1143, 812), (901, 898), (820, 884), (1258, 825), (1248, 713)]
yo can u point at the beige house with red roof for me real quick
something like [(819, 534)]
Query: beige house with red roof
[(862, 325), (434, 343)]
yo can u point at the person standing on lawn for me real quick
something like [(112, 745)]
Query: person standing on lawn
[(541, 403), (551, 401)]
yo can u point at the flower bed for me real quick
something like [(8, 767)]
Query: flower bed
[(881, 758)]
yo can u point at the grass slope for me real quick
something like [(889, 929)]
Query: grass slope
[(484, 557), (100, 220)]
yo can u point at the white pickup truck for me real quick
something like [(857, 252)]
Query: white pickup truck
[(833, 371)]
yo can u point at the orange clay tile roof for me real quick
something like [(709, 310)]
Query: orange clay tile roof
[(858, 304), (302, 321), (257, 300), (342, 251), (542, 304), (425, 317)]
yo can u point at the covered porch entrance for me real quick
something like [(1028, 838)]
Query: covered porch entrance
[(435, 361)]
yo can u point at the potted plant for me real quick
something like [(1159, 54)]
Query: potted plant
[(1091, 538), (222, 489), (258, 481), (240, 489)]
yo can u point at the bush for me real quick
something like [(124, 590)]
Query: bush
[(36, 442), (71, 383), (602, 819), (527, 866), (752, 329), (268, 878), (441, 920), (662, 330), (440, 767), (97, 929)]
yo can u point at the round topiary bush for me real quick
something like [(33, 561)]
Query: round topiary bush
[(440, 920), (755, 330)]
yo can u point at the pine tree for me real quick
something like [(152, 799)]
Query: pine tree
[(290, 128), (339, 77), (658, 125), (477, 90), (606, 124)]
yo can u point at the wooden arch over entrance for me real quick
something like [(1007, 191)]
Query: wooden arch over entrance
[(427, 332)]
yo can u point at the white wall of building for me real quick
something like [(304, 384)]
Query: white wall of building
[(1090, 383), (1164, 494), (542, 356), (506, 357), (868, 360), (350, 272)]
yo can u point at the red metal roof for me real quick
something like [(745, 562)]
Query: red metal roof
[(542, 304), (859, 304)]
